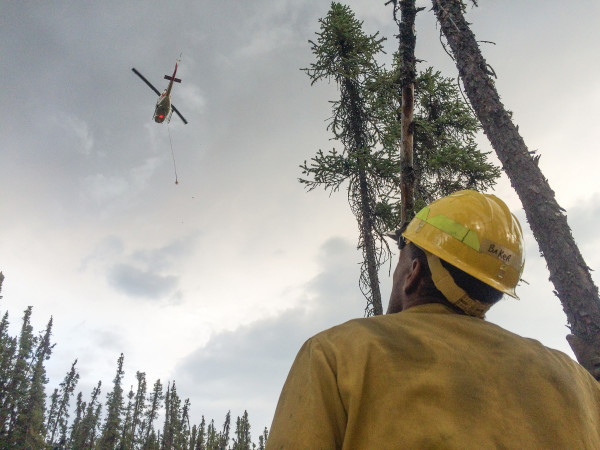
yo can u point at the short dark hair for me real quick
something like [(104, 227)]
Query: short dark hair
[(475, 288)]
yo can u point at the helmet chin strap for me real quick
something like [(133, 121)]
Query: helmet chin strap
[(454, 294)]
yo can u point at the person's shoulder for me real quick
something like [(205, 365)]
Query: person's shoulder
[(358, 330), (550, 359), (553, 353), (349, 327)]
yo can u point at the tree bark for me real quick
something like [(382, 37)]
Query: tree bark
[(369, 278), (369, 244), (568, 271), (408, 75)]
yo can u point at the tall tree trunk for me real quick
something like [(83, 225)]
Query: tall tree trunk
[(408, 75), (369, 278), (568, 271), (369, 245)]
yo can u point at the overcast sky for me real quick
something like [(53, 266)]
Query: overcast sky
[(217, 281)]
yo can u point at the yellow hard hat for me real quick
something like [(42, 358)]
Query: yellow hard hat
[(474, 232)]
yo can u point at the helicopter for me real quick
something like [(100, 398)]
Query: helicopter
[(164, 109)]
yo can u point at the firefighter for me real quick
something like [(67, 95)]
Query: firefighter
[(432, 373)]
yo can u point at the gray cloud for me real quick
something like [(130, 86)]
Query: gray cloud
[(143, 273), (141, 283), (167, 256)]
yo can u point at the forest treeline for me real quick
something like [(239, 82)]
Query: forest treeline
[(30, 419)]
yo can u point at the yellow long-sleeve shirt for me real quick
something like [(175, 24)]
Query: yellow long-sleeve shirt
[(429, 378)]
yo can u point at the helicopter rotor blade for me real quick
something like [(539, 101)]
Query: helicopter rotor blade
[(146, 81), (179, 114)]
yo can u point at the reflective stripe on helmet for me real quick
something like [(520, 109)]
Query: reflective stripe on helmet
[(470, 238)]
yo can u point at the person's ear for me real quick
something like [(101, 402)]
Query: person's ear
[(413, 278)]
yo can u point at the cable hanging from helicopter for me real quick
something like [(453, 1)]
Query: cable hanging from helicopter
[(164, 108)]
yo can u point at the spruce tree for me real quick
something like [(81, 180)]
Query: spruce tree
[(366, 121), (242, 440), (95, 425), (153, 441), (80, 407), (51, 416), (154, 403), (17, 386), (84, 431), (139, 405), (223, 439), (201, 436), (346, 54), (126, 439), (184, 432), (212, 437), (114, 405), (262, 439), (176, 432), (447, 158), (193, 437), (133, 414), (29, 431), (445, 155), (58, 413), (8, 354), (167, 434)]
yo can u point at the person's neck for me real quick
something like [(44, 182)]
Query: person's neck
[(426, 300)]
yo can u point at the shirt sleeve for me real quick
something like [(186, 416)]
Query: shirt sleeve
[(310, 412)]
